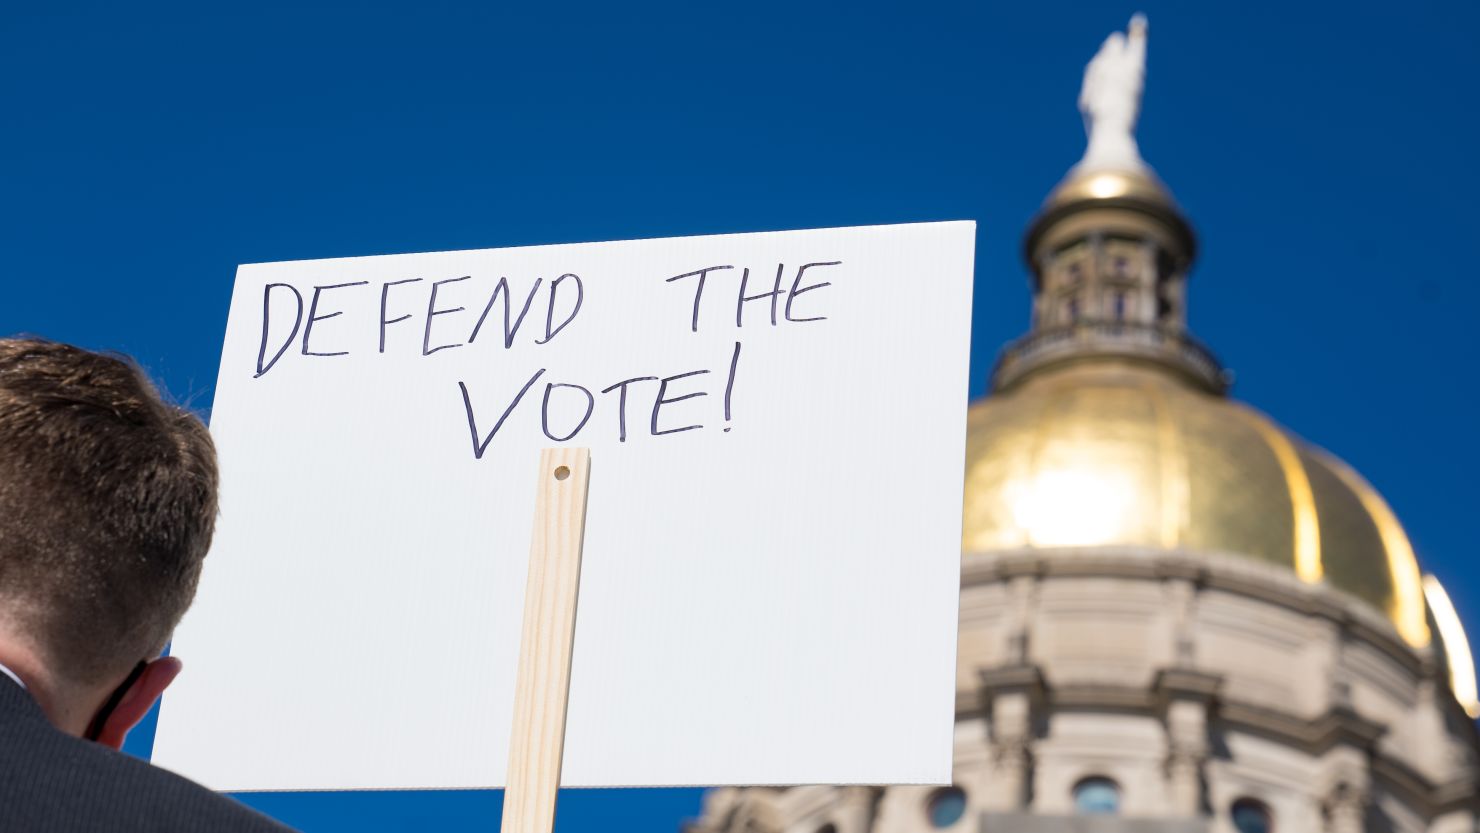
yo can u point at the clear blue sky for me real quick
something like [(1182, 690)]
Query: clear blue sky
[(1326, 154)]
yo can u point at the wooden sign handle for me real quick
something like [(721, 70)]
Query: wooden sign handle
[(537, 742)]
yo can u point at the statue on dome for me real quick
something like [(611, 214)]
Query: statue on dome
[(1111, 99)]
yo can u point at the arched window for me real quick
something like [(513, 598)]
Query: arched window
[(1097, 796), (1251, 816), (828, 828), (945, 807)]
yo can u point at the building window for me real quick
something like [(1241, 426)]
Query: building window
[(1250, 816), (1120, 306), (946, 806), (828, 828), (1097, 796), (1120, 267), (1072, 308)]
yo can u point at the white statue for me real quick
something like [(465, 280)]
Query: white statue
[(1111, 99)]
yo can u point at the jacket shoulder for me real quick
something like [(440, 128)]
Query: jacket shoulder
[(51, 781)]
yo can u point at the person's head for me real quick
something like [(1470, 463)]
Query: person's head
[(107, 505)]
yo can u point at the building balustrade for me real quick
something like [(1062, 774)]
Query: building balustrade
[(1114, 337)]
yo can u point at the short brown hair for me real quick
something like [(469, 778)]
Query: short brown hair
[(107, 505)]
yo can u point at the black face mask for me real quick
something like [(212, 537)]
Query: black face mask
[(95, 728)]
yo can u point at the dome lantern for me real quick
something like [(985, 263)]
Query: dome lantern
[(1110, 251)]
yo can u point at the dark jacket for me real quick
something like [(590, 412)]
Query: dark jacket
[(51, 782)]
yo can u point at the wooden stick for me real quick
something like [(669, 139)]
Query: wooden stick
[(537, 742)]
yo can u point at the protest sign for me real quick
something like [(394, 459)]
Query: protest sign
[(769, 588)]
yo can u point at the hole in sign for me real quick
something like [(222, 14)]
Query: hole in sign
[(562, 472)]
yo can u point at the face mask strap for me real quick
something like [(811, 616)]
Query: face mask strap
[(95, 729)]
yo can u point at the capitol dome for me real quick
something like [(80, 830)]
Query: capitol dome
[(1109, 424), (1112, 452)]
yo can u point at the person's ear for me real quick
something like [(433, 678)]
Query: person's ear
[(137, 701)]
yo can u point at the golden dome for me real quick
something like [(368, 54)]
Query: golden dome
[(1110, 452)]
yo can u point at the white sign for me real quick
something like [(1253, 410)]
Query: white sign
[(772, 557)]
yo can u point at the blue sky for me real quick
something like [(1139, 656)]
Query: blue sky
[(1325, 153)]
